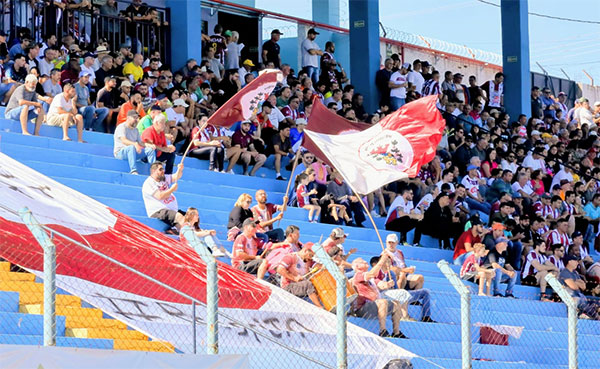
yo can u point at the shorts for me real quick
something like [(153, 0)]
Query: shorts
[(469, 277), (370, 310), (15, 114), (251, 266), (300, 289), (168, 216), (57, 119)]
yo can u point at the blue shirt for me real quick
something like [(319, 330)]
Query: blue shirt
[(295, 135), (591, 211), (14, 50)]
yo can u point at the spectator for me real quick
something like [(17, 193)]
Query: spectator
[(133, 70), (52, 85), (245, 248), (240, 212), (232, 53), (7, 88), (432, 86), (63, 112), (147, 120), (464, 245), (47, 63), (93, 118), (572, 281), (159, 200), (270, 49), (243, 147), (473, 271), (263, 212), (134, 104), (245, 69), (343, 194), (583, 114), (537, 110), (104, 71), (128, 144), (206, 237), (154, 138), (19, 48), (369, 303), (382, 79), (405, 275), (496, 259), (398, 84), (293, 269), (494, 92), (535, 270), (302, 195), (215, 64), (282, 147), (19, 70), (402, 216), (439, 222), (23, 105), (209, 143), (218, 42), (88, 67), (310, 55), (474, 199), (108, 97)]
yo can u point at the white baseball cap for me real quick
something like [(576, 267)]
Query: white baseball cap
[(392, 237)]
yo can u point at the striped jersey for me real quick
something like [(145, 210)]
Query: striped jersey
[(557, 262), (557, 237), (431, 87), (529, 269)]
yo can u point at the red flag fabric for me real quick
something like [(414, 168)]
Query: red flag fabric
[(393, 149), (246, 102)]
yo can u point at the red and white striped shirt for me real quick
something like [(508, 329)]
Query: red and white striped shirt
[(549, 212), (302, 196), (291, 113), (469, 265), (529, 269), (557, 237), (570, 208), (557, 262)]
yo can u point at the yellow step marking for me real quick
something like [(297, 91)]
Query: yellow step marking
[(137, 345), (108, 333)]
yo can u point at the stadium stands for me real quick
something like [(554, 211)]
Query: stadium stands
[(91, 169)]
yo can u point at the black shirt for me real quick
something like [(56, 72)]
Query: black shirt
[(495, 257), (19, 75), (3, 51), (237, 217), (272, 52), (100, 75), (536, 108), (110, 99), (132, 12)]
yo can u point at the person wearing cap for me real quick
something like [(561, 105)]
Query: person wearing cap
[(63, 113), (243, 147), (271, 49), (370, 304), (577, 249), (93, 118), (297, 133), (398, 83), (176, 114), (464, 244), (246, 256), (128, 144), (88, 66), (460, 90), (406, 277), (101, 51), (496, 259), (576, 286), (310, 55), (246, 68), (147, 120), (133, 70), (23, 105), (293, 269)]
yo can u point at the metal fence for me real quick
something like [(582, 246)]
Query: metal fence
[(87, 25), (528, 331)]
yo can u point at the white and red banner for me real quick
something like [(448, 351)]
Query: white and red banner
[(247, 101), (254, 316), (391, 150)]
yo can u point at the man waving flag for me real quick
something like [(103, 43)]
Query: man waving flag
[(393, 149)]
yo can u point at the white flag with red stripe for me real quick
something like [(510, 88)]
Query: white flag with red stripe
[(391, 150)]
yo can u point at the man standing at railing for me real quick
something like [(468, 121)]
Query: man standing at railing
[(310, 55), (270, 49)]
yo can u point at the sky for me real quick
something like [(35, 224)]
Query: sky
[(554, 44)]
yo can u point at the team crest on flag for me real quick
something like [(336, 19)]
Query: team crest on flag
[(387, 150)]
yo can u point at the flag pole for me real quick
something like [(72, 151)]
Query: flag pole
[(370, 217), (192, 141), (287, 190)]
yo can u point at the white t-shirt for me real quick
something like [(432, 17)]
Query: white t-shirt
[(440, 183), (416, 79), (398, 78), (90, 70), (60, 101), (307, 59), (275, 117), (399, 202), (174, 116), (51, 89), (559, 176), (516, 187), (152, 203), (471, 184), (530, 162), (45, 67), (425, 202)]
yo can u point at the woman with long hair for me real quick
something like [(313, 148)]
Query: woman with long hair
[(208, 237)]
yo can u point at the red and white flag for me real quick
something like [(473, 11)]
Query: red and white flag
[(393, 149), (247, 101), (254, 316)]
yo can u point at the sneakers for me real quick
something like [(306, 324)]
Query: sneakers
[(375, 214), (229, 172), (399, 335), (510, 295), (217, 253), (134, 172), (280, 178), (408, 319), (384, 333)]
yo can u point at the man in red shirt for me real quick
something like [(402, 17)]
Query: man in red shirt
[(464, 244), (263, 212), (155, 136), (242, 146), (245, 249), (293, 268), (369, 303)]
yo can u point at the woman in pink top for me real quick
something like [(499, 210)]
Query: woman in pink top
[(537, 183), (490, 163)]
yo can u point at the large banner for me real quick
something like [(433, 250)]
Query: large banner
[(254, 316)]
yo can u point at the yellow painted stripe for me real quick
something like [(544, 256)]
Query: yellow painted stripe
[(138, 345), (63, 310), (86, 322), (108, 333), (12, 276), (21, 286), (27, 298), (4, 266)]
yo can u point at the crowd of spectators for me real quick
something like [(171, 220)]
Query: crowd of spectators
[(523, 187)]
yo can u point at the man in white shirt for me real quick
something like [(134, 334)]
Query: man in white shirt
[(583, 114), (563, 173), (415, 78), (46, 65), (177, 114), (63, 112), (159, 200), (88, 66), (401, 214), (534, 160), (128, 144), (246, 68), (276, 116), (310, 55), (398, 84), (52, 85)]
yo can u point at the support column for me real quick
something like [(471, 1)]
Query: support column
[(364, 49), (515, 57), (186, 17)]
